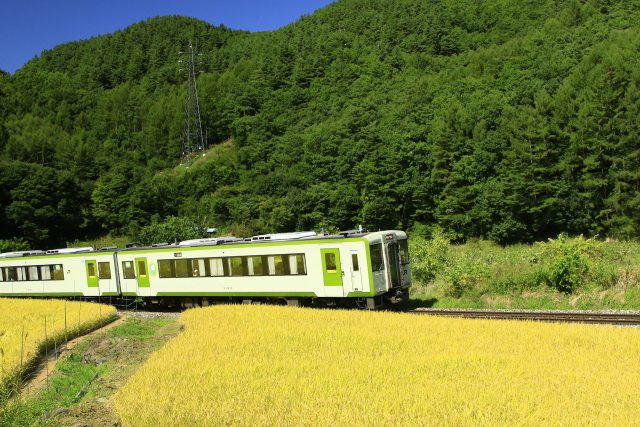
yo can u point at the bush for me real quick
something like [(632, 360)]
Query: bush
[(15, 244), (465, 277), (428, 257), (569, 267), (173, 229)]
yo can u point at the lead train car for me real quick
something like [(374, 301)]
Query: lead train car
[(366, 269)]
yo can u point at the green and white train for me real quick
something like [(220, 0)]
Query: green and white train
[(350, 268)]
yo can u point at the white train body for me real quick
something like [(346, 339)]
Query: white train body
[(289, 266)]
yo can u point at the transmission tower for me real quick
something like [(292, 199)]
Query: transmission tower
[(192, 138)]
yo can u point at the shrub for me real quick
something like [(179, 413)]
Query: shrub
[(569, 267), (15, 244), (173, 229), (465, 277), (428, 257)]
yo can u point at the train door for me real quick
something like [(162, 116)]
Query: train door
[(92, 273), (142, 273), (104, 278), (394, 264), (332, 272), (356, 274)]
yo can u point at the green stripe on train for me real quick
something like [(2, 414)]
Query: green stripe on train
[(237, 294)]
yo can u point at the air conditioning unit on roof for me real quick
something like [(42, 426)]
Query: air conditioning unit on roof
[(284, 236)]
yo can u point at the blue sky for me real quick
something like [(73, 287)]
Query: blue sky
[(27, 27)]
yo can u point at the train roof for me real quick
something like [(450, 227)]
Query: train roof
[(53, 252), (218, 241)]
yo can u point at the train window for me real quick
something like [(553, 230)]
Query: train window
[(236, 266), (198, 267), (271, 265), (258, 266), (297, 264), (1, 274), (216, 267), (302, 265), (207, 267), (91, 269), (330, 262), (11, 274), (250, 264), (128, 272), (45, 272), (354, 261), (33, 272), (58, 272), (282, 268), (183, 268), (22, 273), (377, 261), (404, 251), (293, 265), (265, 265), (142, 268), (166, 268), (104, 270)]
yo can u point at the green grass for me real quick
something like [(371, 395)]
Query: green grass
[(563, 273), (129, 345), (70, 377), (139, 328), (214, 152)]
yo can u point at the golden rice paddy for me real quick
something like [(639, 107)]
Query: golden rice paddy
[(26, 324), (261, 365)]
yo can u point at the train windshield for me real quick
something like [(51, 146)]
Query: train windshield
[(377, 260)]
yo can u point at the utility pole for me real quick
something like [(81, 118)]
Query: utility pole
[(192, 138)]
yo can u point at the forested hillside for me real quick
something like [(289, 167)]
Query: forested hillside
[(502, 119)]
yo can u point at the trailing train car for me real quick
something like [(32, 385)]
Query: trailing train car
[(81, 272), (360, 268)]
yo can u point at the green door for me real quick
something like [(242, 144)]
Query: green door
[(142, 272), (92, 273), (331, 267)]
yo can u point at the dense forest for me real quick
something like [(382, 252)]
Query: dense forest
[(510, 120)]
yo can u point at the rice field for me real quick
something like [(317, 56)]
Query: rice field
[(262, 365), (26, 325)]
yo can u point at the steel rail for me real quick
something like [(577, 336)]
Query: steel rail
[(541, 316)]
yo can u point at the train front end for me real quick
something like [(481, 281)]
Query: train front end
[(390, 267)]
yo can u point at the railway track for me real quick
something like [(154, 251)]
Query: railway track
[(604, 318), (627, 319)]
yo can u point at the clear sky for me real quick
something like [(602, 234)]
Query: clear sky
[(27, 27)]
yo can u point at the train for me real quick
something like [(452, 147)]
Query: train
[(351, 268)]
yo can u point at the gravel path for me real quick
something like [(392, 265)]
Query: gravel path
[(140, 314)]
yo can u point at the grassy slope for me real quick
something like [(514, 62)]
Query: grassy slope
[(100, 365), (216, 152), (561, 273)]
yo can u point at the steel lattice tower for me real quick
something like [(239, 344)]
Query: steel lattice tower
[(192, 138)]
